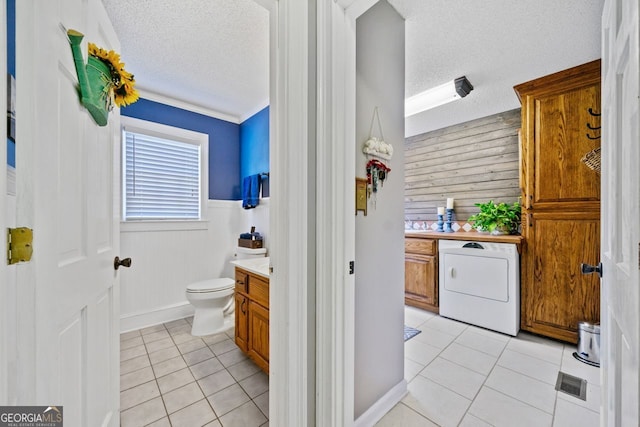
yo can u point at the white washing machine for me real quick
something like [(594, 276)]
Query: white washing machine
[(480, 284)]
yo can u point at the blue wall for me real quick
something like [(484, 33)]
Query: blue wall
[(224, 142), (254, 147), (11, 66)]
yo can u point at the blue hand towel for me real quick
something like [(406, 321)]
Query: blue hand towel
[(251, 191)]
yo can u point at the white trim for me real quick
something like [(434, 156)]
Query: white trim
[(224, 204), (132, 322), (11, 180), (178, 103), (163, 225), (382, 405), (292, 346)]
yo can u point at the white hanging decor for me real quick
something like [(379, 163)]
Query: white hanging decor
[(375, 146)]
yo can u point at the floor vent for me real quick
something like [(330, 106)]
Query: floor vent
[(574, 386)]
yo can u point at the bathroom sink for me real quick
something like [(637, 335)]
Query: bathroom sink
[(259, 266)]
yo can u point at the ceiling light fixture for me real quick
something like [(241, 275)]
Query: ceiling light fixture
[(439, 95)]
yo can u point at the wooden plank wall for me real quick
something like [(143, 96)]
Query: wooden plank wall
[(472, 162)]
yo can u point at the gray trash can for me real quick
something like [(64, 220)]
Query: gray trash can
[(588, 343)]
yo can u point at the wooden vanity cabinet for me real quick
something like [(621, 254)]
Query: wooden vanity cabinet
[(561, 201), (252, 317), (421, 273)]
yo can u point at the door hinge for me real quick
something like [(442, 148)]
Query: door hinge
[(352, 266), (19, 245)]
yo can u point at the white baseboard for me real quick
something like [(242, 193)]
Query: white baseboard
[(382, 406), (132, 322)]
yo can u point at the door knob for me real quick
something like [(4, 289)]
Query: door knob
[(117, 262), (588, 269)]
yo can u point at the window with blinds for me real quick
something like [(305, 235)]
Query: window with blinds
[(161, 177)]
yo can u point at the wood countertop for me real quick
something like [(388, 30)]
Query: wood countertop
[(472, 236)]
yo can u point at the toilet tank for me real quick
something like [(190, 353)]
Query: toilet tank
[(248, 253)]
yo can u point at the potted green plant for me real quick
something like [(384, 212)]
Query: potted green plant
[(501, 218)]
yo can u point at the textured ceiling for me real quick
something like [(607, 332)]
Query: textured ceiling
[(210, 53), (497, 44), (214, 53)]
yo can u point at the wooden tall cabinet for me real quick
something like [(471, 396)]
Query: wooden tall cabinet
[(561, 201)]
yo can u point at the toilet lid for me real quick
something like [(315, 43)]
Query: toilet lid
[(211, 285)]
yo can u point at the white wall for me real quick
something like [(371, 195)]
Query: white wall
[(379, 287), (167, 259)]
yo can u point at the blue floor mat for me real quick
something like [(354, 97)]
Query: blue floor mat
[(410, 332)]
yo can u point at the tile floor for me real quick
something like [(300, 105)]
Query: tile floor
[(170, 378), (461, 375)]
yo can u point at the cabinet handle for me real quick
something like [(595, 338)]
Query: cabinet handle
[(242, 306), (452, 272)]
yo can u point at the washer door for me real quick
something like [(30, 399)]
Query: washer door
[(477, 274)]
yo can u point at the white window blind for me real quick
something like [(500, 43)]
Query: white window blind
[(162, 178)]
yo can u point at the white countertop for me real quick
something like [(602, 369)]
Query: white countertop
[(259, 266)]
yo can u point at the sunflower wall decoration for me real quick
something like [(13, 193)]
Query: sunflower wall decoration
[(103, 80)]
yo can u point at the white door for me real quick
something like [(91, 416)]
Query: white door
[(68, 192), (620, 305)]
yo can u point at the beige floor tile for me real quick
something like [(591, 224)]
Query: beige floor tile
[(523, 388), (206, 368), (472, 339), (471, 421), (445, 325), (579, 369), (133, 342), (155, 336), (457, 378), (593, 398), (232, 357), (152, 329), (434, 338), (215, 423), (256, 384), (262, 402), (138, 394), (228, 399), (134, 364), (215, 382), (403, 416), (411, 369), (197, 414), (135, 378), (247, 415), (569, 415), (189, 346), (180, 330), (159, 345), (214, 339), (176, 323), (420, 352), (501, 410), (223, 347), (533, 346), (198, 356), (143, 414), (182, 397), (162, 422), (469, 358), (128, 335), (132, 352), (168, 366), (414, 317), (242, 370), (183, 337), (175, 380), (164, 354), (435, 402), (530, 366)]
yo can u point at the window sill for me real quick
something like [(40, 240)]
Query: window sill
[(163, 225)]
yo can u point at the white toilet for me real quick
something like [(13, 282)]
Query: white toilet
[(213, 300)]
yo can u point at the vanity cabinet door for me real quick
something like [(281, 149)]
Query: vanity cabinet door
[(259, 335), (420, 283), (242, 322)]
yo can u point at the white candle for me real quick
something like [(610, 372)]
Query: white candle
[(450, 203), (441, 210)]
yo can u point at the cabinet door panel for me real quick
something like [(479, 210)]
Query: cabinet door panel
[(242, 325), (556, 296), (259, 335), (420, 271)]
